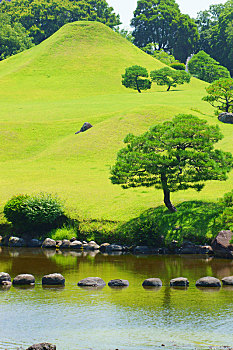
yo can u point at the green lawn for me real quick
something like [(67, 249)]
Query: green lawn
[(49, 91)]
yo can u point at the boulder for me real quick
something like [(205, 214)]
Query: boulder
[(92, 282), (208, 282), (73, 239), (152, 282), (179, 282), (49, 243), (85, 127), (42, 346), (227, 281), (103, 247), (113, 248), (221, 244), (0, 241), (34, 243), (76, 245), (226, 118), (118, 283), (4, 278), (191, 248), (24, 279), (54, 279), (92, 245), (16, 242), (65, 244)]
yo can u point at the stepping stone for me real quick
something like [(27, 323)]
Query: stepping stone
[(227, 281), (179, 282), (54, 279), (208, 282), (5, 278), (92, 282), (152, 282), (42, 346), (118, 283), (24, 279)]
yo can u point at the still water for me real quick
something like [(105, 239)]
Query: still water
[(132, 318)]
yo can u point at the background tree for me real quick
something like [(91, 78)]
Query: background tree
[(172, 156), (215, 29), (206, 68), (169, 77), (42, 18), (164, 57), (13, 37), (220, 95), (160, 22), (133, 78)]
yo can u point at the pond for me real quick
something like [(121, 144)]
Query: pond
[(131, 318)]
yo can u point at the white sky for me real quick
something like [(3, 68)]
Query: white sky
[(125, 8)]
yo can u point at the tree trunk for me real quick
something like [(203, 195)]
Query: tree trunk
[(137, 86), (166, 192), (167, 201), (168, 87)]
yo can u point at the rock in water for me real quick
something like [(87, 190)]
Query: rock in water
[(85, 127), (42, 346), (24, 279), (118, 283), (152, 282), (92, 282), (226, 118), (49, 243), (208, 282), (221, 244), (179, 282), (54, 279), (4, 278), (227, 281)]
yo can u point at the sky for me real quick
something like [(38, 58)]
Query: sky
[(125, 8)]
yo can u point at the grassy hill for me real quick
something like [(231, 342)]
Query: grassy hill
[(74, 76)]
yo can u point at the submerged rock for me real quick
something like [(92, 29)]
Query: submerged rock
[(179, 282), (54, 279), (92, 282), (118, 283), (24, 279), (208, 282), (42, 346), (152, 282)]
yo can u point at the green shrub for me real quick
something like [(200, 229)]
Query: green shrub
[(225, 220), (101, 231), (37, 213), (178, 65), (63, 233)]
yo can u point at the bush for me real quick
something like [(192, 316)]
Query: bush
[(178, 66), (37, 213), (225, 220)]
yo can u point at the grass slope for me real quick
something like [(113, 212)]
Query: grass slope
[(74, 76)]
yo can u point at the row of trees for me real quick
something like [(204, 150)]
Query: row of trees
[(32, 21), (136, 77), (159, 24)]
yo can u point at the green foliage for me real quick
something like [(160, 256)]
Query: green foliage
[(164, 57), (225, 220), (13, 37), (194, 221), (220, 95), (178, 66), (63, 233), (125, 34), (42, 18), (101, 231), (161, 23), (167, 76), (215, 28), (204, 67), (133, 78), (34, 213), (172, 156)]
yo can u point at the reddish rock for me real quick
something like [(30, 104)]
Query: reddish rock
[(221, 244)]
